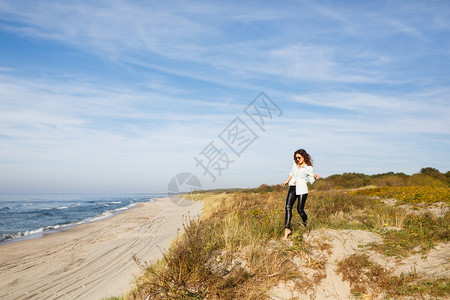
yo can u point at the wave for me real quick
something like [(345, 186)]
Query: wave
[(125, 207), (106, 214), (62, 207), (6, 208), (7, 236)]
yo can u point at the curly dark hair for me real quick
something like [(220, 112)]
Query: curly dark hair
[(305, 155)]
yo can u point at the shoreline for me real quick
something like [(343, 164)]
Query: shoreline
[(91, 260), (41, 232), (38, 232)]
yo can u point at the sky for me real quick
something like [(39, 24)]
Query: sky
[(128, 96)]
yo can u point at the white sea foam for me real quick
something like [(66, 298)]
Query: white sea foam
[(124, 208), (30, 232), (6, 236), (38, 232)]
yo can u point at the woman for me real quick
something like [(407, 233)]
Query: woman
[(301, 173)]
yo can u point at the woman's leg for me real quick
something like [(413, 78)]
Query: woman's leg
[(301, 207), (290, 200)]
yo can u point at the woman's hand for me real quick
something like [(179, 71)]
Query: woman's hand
[(284, 182), (316, 176)]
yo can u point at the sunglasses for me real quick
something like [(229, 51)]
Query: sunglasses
[(297, 157)]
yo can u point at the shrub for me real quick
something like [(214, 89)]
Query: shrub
[(411, 194)]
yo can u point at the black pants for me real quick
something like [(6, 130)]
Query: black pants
[(290, 200)]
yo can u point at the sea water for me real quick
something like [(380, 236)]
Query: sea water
[(29, 216)]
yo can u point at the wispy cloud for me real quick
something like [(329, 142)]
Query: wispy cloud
[(364, 103), (157, 82), (124, 29)]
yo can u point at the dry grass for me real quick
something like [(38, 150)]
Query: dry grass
[(235, 251), (364, 276), (224, 255), (367, 277)]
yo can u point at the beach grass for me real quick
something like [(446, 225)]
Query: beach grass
[(364, 275), (235, 250)]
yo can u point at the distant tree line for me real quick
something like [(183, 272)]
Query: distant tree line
[(426, 177)]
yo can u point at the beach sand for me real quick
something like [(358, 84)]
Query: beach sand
[(94, 260)]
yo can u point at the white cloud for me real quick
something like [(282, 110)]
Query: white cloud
[(427, 106), (347, 89), (122, 30)]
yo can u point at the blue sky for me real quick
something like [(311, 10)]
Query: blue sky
[(120, 96)]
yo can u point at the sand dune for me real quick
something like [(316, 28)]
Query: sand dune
[(93, 260)]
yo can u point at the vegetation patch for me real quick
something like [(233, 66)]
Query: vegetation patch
[(235, 250), (410, 194), (227, 255), (419, 234), (367, 277)]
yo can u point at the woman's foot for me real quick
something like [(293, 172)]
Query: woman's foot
[(286, 233)]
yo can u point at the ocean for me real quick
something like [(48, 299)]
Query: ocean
[(30, 216)]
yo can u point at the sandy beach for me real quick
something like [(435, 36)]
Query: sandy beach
[(94, 260)]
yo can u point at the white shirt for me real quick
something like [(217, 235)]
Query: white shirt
[(300, 176)]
